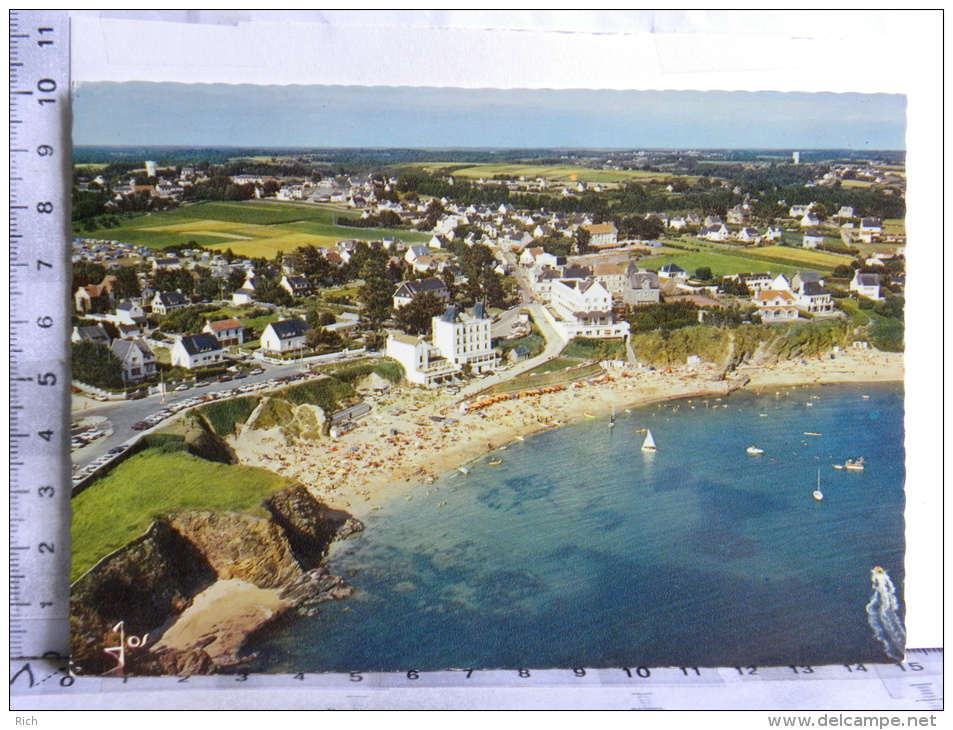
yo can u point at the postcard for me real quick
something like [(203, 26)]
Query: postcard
[(390, 379), (404, 342)]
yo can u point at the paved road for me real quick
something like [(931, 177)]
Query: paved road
[(121, 415)]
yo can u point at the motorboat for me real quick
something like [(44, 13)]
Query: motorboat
[(855, 464), (754, 450)]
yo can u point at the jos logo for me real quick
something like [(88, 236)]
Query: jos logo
[(132, 642)]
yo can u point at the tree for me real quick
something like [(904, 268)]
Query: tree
[(582, 238), (85, 273), (377, 295), (126, 285), (415, 317), (317, 318), (703, 273), (319, 337), (95, 364), (271, 292)]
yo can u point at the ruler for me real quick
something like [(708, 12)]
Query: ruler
[(914, 684), (39, 275)]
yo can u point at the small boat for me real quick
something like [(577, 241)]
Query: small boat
[(588, 415), (838, 466), (811, 433), (496, 463), (463, 470), (809, 404), (649, 443), (641, 430), (855, 464), (520, 438), (754, 450), (866, 397), (818, 495), (612, 418)]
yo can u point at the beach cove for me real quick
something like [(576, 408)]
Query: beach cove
[(390, 456), (578, 549)]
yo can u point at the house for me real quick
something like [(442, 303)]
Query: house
[(812, 240), (584, 309), (809, 220), (129, 331), (718, 232), (815, 299), (197, 351), (845, 213), (129, 313), (423, 363), (867, 285), (285, 335), (296, 286), (139, 363), (95, 297), (463, 338), (611, 276), (754, 282), (410, 289), (641, 287), (738, 215), (748, 235), (529, 255), (673, 271), (168, 262), (776, 306), (165, 302), (415, 252), (243, 296), (803, 277), (229, 332), (774, 234), (96, 333), (602, 235), (871, 229)]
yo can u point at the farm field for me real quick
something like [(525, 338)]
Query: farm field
[(558, 173), (252, 228), (800, 257), (721, 264)]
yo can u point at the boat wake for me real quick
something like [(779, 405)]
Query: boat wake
[(883, 615)]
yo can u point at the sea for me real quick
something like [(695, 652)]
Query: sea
[(581, 550)]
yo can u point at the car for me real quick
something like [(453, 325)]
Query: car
[(256, 371), (184, 386), (203, 383), (225, 378), (239, 376), (140, 426)]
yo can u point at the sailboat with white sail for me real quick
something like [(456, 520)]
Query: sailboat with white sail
[(818, 495), (649, 444)]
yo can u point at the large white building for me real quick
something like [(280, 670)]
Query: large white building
[(464, 337), (423, 363), (584, 309), (197, 351)]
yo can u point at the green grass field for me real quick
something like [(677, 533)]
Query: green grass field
[(553, 173), (721, 264), (251, 228), (121, 506)]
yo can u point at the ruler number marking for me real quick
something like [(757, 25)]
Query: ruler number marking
[(46, 547), (44, 41), (45, 491)]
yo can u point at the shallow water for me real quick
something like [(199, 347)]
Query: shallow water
[(582, 550)]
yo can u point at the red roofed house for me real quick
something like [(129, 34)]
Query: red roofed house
[(776, 306), (228, 332)]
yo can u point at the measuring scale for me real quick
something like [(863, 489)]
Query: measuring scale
[(40, 310)]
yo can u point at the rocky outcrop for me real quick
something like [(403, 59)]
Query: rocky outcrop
[(199, 583)]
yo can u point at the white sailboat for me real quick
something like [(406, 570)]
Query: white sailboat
[(612, 418), (818, 495), (649, 443)]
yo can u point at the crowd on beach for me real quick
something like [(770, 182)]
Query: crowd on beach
[(412, 436)]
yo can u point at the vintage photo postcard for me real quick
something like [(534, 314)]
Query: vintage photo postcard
[(371, 378)]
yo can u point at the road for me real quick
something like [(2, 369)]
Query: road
[(121, 415)]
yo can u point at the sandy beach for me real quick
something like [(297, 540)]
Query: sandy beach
[(400, 446)]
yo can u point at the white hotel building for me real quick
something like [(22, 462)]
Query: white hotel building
[(464, 338), (584, 309)]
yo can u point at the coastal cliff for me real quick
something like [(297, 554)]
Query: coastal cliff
[(198, 584)]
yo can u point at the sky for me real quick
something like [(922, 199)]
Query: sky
[(140, 113)]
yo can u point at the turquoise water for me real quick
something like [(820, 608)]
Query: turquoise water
[(580, 550)]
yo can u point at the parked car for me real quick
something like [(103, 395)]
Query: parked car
[(140, 426)]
